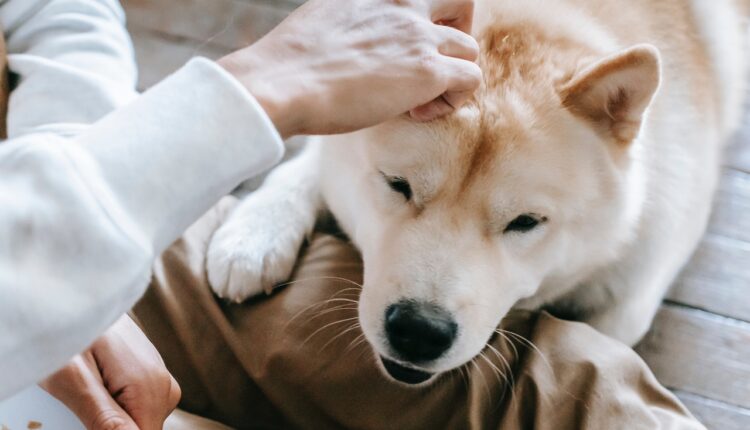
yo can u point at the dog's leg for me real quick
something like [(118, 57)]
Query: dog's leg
[(629, 317), (257, 246), (623, 300)]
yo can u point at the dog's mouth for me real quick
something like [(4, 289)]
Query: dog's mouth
[(404, 374)]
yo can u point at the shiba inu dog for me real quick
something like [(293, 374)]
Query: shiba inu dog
[(580, 178)]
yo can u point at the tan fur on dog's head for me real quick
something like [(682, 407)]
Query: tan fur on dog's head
[(550, 137)]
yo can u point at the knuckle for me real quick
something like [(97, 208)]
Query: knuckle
[(133, 395), (159, 379), (71, 369), (426, 62), (472, 47), (72, 373), (110, 420), (468, 44), (407, 28), (477, 75), (474, 72), (428, 66), (412, 27), (175, 393)]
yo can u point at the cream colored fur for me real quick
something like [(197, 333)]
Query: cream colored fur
[(605, 117)]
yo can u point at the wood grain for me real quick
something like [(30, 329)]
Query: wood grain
[(717, 278), (714, 414), (731, 216), (700, 353), (228, 23), (738, 152), (159, 56)]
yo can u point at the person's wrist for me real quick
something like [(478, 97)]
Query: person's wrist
[(281, 106)]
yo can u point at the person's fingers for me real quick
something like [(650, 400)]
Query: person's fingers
[(457, 44), (463, 79), (174, 396), (151, 415), (145, 394), (432, 110), (79, 387), (458, 14), (135, 371), (457, 98)]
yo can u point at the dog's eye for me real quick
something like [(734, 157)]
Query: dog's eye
[(399, 185), (524, 223)]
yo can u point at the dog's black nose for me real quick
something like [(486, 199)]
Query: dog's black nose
[(419, 332)]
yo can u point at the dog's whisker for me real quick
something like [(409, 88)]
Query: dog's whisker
[(509, 375), (364, 350), (340, 299), (340, 308), (484, 379), (464, 376), (506, 366), (355, 343), (344, 306), (314, 305), (323, 303), (508, 379), (302, 312), (351, 296), (318, 278), (453, 377), (343, 332), (348, 292), (501, 379), (509, 342), (349, 289), (310, 308), (326, 326), (504, 361), (530, 344)]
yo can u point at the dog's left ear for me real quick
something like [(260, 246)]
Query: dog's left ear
[(613, 94)]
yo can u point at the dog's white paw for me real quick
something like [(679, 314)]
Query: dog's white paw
[(255, 249)]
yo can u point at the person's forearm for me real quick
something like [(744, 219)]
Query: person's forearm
[(83, 218)]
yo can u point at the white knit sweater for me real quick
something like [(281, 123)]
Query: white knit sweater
[(95, 180)]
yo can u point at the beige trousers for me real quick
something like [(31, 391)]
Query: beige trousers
[(295, 359)]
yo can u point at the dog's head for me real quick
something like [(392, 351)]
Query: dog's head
[(510, 199)]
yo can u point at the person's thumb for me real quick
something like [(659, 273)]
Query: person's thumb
[(101, 412), (79, 387)]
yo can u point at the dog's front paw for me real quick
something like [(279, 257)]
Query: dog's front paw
[(253, 251)]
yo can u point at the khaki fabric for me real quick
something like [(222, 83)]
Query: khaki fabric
[(181, 420), (296, 359)]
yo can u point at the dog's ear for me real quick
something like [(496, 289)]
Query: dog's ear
[(613, 94)]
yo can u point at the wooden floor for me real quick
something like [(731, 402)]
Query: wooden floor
[(700, 343)]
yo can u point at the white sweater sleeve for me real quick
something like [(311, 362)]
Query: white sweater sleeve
[(73, 60), (81, 218)]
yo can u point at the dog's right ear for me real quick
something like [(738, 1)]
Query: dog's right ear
[(613, 94)]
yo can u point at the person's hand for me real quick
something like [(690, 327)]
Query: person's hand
[(335, 66), (119, 383)]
